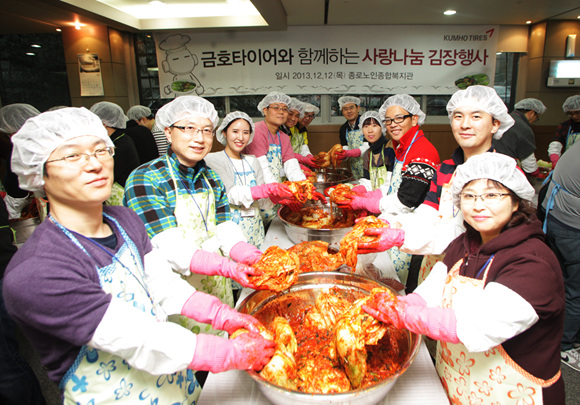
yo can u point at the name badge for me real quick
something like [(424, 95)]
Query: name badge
[(247, 212), (211, 245)]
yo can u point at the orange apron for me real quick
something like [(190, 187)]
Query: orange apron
[(490, 377)]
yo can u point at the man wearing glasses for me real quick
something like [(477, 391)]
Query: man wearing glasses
[(519, 141), (568, 131), (184, 206), (477, 116)]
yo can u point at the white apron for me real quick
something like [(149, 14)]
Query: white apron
[(355, 140), (274, 156), (401, 260), (99, 377), (490, 377), (248, 219), (447, 212), (195, 215)]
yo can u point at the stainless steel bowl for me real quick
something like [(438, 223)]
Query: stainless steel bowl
[(328, 177), (307, 289), (299, 234)]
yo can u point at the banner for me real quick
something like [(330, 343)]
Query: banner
[(422, 59)]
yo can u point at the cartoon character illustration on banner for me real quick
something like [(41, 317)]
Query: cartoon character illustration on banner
[(180, 62)]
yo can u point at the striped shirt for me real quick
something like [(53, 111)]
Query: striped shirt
[(150, 191)]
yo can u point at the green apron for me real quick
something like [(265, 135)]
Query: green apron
[(195, 215), (355, 140), (297, 140)]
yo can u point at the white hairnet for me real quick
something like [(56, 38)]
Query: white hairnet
[(231, 117), (186, 107), (57, 107), (493, 166), (271, 98), (531, 104), (311, 108), (137, 112), (572, 103), (406, 102), (376, 116), (41, 135), (344, 100), (297, 105), (111, 114), (486, 99), (13, 116)]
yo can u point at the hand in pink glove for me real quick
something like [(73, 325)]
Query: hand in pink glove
[(212, 264), (307, 171), (352, 153), (319, 197), (359, 190), (248, 351), (206, 308), (309, 161), (437, 323), (554, 159), (386, 239), (270, 190), (243, 252), (363, 203)]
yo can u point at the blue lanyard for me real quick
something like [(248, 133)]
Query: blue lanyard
[(204, 219), (270, 137), (242, 179), (485, 265), (409, 148)]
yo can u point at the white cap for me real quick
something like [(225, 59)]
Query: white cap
[(376, 116), (186, 107), (297, 105), (572, 103), (493, 166), (531, 104), (271, 98), (486, 99), (137, 112), (231, 117), (344, 100), (111, 114), (41, 135), (13, 116), (406, 102), (311, 108)]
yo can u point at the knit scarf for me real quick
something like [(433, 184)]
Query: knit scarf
[(377, 146)]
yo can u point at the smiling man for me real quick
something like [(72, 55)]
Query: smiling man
[(477, 115), (351, 136)]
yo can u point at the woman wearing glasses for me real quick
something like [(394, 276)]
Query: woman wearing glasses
[(272, 146), (496, 303), (415, 164), (185, 208), (91, 293)]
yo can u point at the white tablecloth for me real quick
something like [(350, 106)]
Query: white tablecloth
[(418, 385)]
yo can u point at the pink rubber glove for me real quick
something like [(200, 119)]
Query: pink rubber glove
[(353, 153), (309, 161), (375, 194), (437, 323), (413, 299), (212, 264), (206, 308), (554, 159), (271, 190), (317, 196), (360, 190), (245, 253), (248, 351), (386, 239), (363, 203), (536, 173)]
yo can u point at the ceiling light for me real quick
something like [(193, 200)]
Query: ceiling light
[(77, 26), (35, 46), (529, 22), (498, 53), (449, 12), (30, 53), (58, 30)]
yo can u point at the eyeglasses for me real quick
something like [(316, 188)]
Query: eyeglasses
[(397, 120), (192, 131), (491, 198), (310, 116), (572, 113), (77, 158), (278, 108)]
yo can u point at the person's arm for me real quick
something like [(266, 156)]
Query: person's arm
[(530, 165)]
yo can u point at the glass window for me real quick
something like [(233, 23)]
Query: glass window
[(437, 104), (309, 98), (247, 104)]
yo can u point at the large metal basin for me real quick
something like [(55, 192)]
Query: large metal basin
[(307, 289), (299, 234), (331, 177)]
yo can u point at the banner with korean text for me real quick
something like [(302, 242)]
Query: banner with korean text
[(421, 59)]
